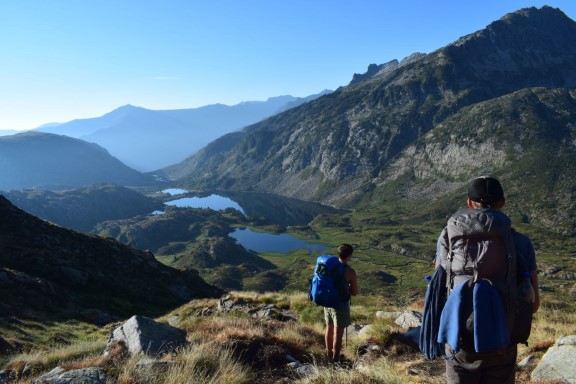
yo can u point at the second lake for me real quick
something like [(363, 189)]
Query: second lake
[(278, 243)]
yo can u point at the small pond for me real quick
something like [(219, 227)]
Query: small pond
[(278, 243), (175, 191), (215, 202)]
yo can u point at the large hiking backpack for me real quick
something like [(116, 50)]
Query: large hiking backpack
[(480, 246), (328, 285)]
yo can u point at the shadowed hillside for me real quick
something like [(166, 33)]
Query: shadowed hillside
[(81, 209), (46, 270)]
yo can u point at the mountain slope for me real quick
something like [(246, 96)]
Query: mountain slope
[(81, 209), (329, 148), (49, 270), (132, 134), (43, 160), (527, 138)]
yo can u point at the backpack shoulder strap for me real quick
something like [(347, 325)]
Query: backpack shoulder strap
[(511, 283)]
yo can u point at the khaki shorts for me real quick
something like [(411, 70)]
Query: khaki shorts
[(339, 317)]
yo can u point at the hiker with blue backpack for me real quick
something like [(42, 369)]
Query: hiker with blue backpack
[(331, 287), (480, 303)]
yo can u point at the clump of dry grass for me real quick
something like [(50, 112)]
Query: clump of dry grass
[(378, 371), (548, 325), (200, 363), (32, 363)]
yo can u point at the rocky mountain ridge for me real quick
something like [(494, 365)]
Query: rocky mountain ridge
[(336, 148), (133, 133)]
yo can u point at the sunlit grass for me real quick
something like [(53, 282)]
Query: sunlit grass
[(44, 360), (219, 344)]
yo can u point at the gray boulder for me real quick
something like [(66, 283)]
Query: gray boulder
[(557, 364), (144, 335), (392, 315), (354, 329), (76, 376), (366, 329), (409, 319)]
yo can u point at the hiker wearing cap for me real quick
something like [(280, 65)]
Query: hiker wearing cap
[(337, 319), (484, 259)]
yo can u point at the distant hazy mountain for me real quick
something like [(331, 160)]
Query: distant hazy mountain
[(148, 140), (48, 270), (49, 161), (499, 101), (6, 132)]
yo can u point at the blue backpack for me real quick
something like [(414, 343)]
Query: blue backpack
[(328, 286)]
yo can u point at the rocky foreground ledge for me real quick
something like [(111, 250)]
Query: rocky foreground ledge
[(154, 342)]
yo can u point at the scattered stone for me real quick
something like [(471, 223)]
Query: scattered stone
[(61, 376), (526, 362), (366, 329), (144, 335), (553, 365), (392, 315), (174, 320), (369, 349), (291, 359), (409, 319), (294, 365), (354, 329), (305, 370)]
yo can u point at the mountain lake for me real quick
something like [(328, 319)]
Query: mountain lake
[(215, 202), (271, 242), (257, 241)]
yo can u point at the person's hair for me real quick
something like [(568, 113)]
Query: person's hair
[(344, 251)]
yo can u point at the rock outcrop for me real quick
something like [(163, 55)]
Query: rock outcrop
[(142, 335), (557, 364), (85, 376)]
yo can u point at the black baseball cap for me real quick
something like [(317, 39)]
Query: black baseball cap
[(485, 189)]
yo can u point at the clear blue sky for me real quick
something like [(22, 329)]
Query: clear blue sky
[(68, 59)]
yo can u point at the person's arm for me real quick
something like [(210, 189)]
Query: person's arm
[(353, 283), (534, 282)]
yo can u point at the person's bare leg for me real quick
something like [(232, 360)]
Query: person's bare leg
[(338, 342), (329, 339)]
